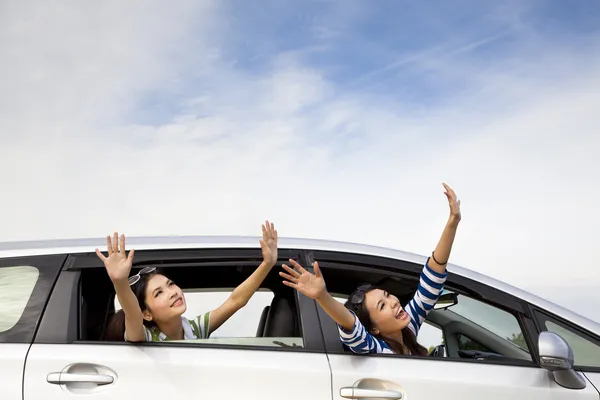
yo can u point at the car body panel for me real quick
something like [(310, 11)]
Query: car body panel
[(186, 372), (12, 362), (424, 379)]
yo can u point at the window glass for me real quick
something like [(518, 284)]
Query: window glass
[(430, 336), (466, 343), (16, 286), (499, 322), (586, 353)]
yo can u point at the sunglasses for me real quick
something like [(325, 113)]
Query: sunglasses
[(135, 278), (359, 296)]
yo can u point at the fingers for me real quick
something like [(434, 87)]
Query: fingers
[(288, 277), (317, 269), (291, 271), (100, 255), (109, 245), (450, 192), (122, 243), (115, 242), (268, 230), (290, 284), (130, 255), (297, 266)]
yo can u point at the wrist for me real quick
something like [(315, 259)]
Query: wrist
[(323, 296), (453, 220), (120, 283), (269, 263)]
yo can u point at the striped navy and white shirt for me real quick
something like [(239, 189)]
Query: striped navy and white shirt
[(431, 285)]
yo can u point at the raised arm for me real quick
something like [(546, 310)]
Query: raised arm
[(434, 274), (242, 294), (118, 265), (441, 254), (313, 286)]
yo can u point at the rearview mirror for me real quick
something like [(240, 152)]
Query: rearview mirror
[(557, 357), (445, 301)]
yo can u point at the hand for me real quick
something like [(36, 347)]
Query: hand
[(310, 285), (268, 243), (117, 264), (453, 202)]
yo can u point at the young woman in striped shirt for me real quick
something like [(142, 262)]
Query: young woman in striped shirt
[(373, 320)]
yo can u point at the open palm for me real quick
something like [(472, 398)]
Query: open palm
[(310, 285), (118, 263), (453, 202), (268, 243)]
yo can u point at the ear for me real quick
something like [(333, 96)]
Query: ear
[(147, 315), (375, 331)]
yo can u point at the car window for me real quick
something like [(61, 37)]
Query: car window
[(587, 354), (496, 321), (16, 287), (243, 324)]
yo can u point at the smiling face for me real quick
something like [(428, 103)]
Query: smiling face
[(387, 315), (164, 300)]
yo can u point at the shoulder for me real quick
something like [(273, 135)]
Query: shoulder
[(359, 341), (199, 325)]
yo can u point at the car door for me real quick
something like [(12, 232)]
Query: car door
[(63, 362), (489, 319), (25, 283)]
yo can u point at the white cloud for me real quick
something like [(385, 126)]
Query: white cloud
[(519, 143)]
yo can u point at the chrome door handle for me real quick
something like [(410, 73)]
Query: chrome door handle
[(61, 378), (358, 393)]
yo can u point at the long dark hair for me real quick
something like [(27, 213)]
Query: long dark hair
[(115, 331), (409, 344)]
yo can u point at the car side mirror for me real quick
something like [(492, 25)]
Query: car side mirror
[(557, 357), (445, 301)]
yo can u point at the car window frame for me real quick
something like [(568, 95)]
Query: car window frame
[(455, 282), (48, 266), (541, 316), (61, 319)]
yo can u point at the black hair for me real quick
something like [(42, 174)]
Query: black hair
[(115, 330), (408, 345)]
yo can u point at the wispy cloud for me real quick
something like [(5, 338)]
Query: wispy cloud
[(334, 122)]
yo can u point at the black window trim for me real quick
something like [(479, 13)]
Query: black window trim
[(541, 315), (474, 289), (55, 319)]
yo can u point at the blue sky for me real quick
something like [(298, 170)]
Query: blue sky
[(335, 119)]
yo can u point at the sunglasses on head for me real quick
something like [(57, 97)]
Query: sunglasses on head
[(135, 278), (359, 295)]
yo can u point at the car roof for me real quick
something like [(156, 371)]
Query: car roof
[(87, 245)]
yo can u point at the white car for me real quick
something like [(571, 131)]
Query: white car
[(494, 341)]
